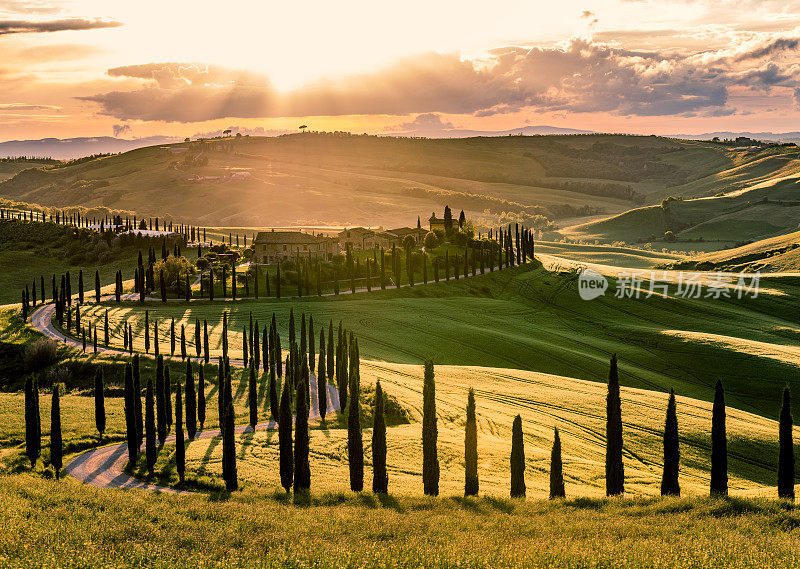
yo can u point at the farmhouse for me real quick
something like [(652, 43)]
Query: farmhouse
[(273, 246), (436, 224), (360, 238), (417, 232)]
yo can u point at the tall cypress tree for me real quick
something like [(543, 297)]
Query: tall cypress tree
[(99, 403), (191, 402), (137, 401), (302, 470), (197, 345), (172, 338), (183, 343), (556, 468), (274, 408), (96, 286), (180, 443), (130, 419), (231, 479), (285, 438), (56, 446), (322, 383), (330, 367), (150, 428), (430, 433), (670, 485), (201, 396), (206, 355), (167, 397), (719, 444), (471, 448), (380, 478), (785, 449), (355, 444), (252, 395), (517, 459), (615, 475), (161, 412), (33, 441)]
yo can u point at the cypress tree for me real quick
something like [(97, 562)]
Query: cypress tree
[(130, 421), (430, 433), (274, 408), (201, 396), (150, 428), (146, 332), (167, 397), (322, 384), (137, 401), (355, 444), (311, 346), (669, 480), (56, 447), (517, 460), (161, 413), (221, 394), (278, 287), (302, 471), (183, 343), (180, 443), (256, 351), (191, 402), (99, 403), (206, 355), (244, 346), (172, 338), (33, 441), (615, 475), (330, 353), (719, 444), (285, 439), (556, 468), (785, 449), (252, 396), (380, 478), (471, 448), (197, 344), (96, 286), (229, 441)]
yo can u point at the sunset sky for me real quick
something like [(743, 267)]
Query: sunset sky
[(135, 69)]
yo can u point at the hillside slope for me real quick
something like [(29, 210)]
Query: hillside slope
[(340, 179)]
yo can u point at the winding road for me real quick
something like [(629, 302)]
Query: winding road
[(104, 467)]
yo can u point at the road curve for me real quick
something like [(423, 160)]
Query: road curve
[(104, 467)]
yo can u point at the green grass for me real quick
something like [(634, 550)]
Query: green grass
[(530, 319), (46, 523)]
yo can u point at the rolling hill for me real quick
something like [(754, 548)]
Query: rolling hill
[(341, 179)]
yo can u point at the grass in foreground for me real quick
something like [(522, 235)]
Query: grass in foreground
[(45, 523)]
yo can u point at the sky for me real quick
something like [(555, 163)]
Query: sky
[(175, 68)]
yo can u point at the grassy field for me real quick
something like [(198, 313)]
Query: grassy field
[(607, 254), (68, 525), (755, 199), (532, 319), (576, 407), (776, 254)]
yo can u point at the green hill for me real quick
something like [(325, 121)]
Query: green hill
[(341, 179), (776, 254)]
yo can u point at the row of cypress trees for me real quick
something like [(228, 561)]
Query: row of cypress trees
[(33, 426)]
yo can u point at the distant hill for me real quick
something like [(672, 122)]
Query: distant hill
[(763, 136), (337, 179), (70, 148), (776, 254), (461, 133), (756, 197)]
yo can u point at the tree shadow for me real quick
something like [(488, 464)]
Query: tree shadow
[(501, 504)]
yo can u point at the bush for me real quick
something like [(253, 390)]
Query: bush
[(41, 353)]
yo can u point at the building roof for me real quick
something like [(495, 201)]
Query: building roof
[(402, 231), (285, 237)]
